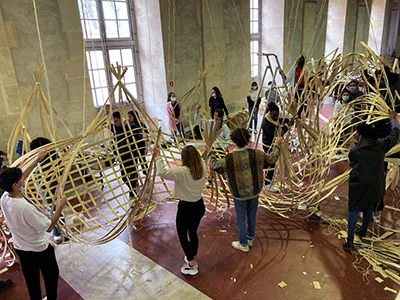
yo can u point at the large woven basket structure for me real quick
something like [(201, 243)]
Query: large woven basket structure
[(87, 167)]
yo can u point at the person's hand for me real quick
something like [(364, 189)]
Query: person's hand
[(227, 116), (207, 148), (392, 114), (198, 107), (41, 155), (209, 108), (156, 151), (63, 201), (291, 122), (279, 140)]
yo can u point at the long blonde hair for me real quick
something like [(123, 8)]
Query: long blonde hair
[(192, 160)]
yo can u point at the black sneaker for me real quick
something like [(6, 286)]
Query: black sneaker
[(349, 246), (361, 234), (5, 284)]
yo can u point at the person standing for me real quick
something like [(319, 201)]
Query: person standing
[(189, 182), (270, 128), (28, 225), (216, 101), (367, 177), (243, 168), (141, 138), (175, 117), (254, 103), (127, 150)]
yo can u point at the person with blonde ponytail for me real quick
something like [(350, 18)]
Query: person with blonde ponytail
[(189, 181)]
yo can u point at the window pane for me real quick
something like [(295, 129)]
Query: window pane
[(111, 29), (122, 11), (89, 10), (123, 28), (254, 4), (99, 77), (130, 75), (132, 89), (96, 60), (254, 71), (115, 56), (127, 57), (109, 10), (92, 29), (254, 27), (101, 95), (254, 15)]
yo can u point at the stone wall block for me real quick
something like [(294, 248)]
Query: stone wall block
[(7, 72), (75, 43), (69, 14), (11, 93), (12, 39), (73, 68)]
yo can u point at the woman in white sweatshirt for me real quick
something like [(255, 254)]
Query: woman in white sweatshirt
[(189, 180)]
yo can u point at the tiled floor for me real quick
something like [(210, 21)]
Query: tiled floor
[(294, 251)]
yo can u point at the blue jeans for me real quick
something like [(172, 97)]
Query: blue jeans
[(352, 221), (246, 209), (179, 128)]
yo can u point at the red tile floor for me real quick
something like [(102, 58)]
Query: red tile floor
[(295, 251)]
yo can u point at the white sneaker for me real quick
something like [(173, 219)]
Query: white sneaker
[(250, 242), (237, 245), (188, 270), (186, 261)]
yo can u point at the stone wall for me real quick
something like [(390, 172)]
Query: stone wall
[(199, 33), (63, 84)]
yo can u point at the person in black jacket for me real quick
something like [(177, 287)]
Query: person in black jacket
[(270, 128), (367, 178), (127, 150), (254, 102), (216, 101)]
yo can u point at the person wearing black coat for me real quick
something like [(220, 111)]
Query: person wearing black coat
[(367, 178), (216, 101), (270, 128)]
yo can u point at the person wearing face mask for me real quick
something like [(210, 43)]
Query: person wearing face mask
[(270, 129), (344, 99), (216, 101), (254, 103), (175, 117), (353, 88), (28, 226), (223, 141)]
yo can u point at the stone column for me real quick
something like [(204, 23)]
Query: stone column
[(272, 31), (151, 57), (335, 25), (375, 34)]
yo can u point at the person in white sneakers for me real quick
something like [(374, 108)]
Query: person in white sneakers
[(189, 182), (28, 226), (243, 168)]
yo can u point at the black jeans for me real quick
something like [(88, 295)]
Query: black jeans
[(270, 174), (32, 263), (130, 174), (187, 221)]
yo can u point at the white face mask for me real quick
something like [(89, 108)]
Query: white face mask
[(345, 98), (173, 99), (21, 189), (254, 88), (213, 95)]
